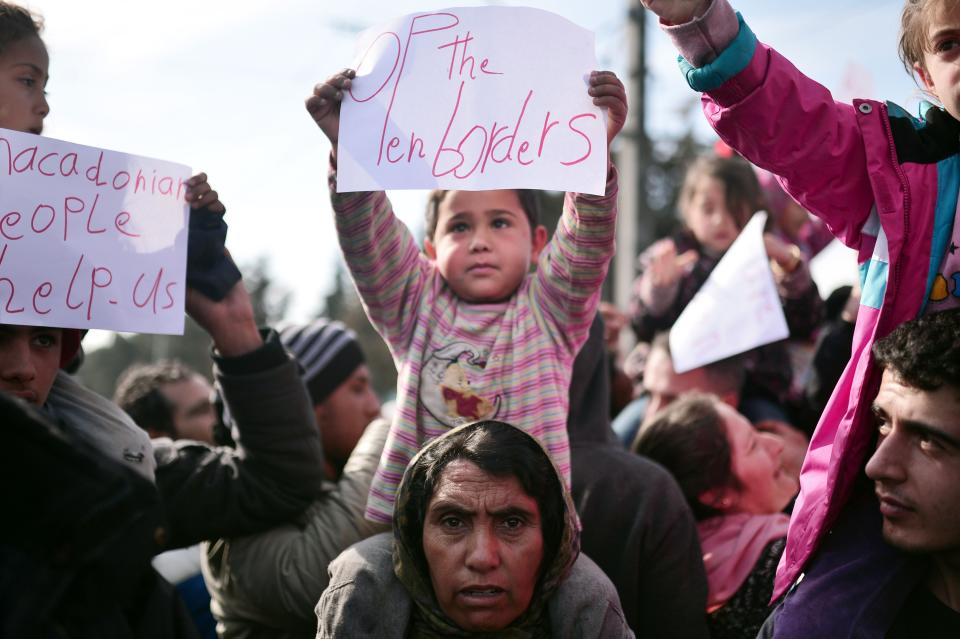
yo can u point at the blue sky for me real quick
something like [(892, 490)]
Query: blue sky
[(220, 85)]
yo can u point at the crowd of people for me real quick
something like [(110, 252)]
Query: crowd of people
[(532, 479)]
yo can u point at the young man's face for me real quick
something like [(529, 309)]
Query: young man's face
[(23, 76), (916, 467), (940, 72), (29, 361), (344, 415), (483, 244), (194, 415)]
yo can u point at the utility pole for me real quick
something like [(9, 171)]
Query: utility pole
[(634, 226)]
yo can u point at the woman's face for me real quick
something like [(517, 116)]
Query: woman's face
[(755, 458), (484, 547)]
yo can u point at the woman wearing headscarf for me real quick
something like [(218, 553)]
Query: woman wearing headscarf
[(485, 543), (735, 481)]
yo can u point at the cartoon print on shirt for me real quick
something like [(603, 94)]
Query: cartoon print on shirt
[(446, 390), (939, 291), (941, 287)]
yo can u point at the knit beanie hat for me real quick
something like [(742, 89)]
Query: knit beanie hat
[(328, 353)]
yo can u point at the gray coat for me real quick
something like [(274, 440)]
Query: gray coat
[(366, 600)]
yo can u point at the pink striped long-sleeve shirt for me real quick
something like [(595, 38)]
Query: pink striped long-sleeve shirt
[(458, 361)]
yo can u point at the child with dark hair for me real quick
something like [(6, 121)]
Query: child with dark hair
[(529, 202), (718, 197), (473, 333)]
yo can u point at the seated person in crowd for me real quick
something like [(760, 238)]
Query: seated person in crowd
[(204, 492), (267, 585), (661, 385), (168, 399), (733, 478), (906, 584), (636, 523), (485, 541), (723, 379)]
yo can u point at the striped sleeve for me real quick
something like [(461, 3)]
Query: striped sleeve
[(388, 269), (571, 270)]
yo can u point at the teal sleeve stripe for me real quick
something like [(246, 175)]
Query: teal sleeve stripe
[(729, 63), (873, 283), (948, 190)]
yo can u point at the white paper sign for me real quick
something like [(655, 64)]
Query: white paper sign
[(90, 238), (735, 310), (473, 98), (833, 267)]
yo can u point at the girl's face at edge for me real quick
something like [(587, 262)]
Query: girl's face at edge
[(24, 66), (940, 73)]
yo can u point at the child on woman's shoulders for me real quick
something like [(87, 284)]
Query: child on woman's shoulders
[(474, 334)]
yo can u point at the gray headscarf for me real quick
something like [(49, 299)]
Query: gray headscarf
[(561, 543)]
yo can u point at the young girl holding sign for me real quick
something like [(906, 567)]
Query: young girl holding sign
[(474, 335), (885, 183), (31, 356), (718, 197)]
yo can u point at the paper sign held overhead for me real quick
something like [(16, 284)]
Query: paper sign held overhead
[(736, 309), (473, 98), (90, 238)]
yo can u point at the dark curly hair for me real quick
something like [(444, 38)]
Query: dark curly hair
[(924, 352), (529, 201), (17, 23)]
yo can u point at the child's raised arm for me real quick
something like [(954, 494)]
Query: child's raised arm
[(571, 270), (608, 93), (324, 104)]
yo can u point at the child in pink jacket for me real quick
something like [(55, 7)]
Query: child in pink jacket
[(884, 182)]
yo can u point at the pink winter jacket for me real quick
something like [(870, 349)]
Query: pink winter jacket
[(864, 170)]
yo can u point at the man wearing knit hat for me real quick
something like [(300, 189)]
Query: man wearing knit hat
[(267, 585), (339, 385)]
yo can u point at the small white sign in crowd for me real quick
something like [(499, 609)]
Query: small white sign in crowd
[(737, 308)]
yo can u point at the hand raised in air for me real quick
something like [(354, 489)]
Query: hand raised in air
[(608, 93), (324, 104)]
